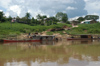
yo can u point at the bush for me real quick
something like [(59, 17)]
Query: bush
[(49, 33)]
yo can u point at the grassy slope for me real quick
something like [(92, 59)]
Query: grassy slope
[(17, 28), (86, 29)]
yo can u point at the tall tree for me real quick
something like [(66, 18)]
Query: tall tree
[(1, 16), (9, 18), (33, 21), (62, 17), (89, 17), (59, 15), (17, 18), (28, 16), (41, 18), (81, 19)]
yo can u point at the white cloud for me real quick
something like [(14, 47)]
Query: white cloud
[(71, 8), (16, 9), (93, 7), (1, 10), (74, 18), (47, 7), (5, 3), (7, 14)]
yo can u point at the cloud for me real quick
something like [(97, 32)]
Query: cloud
[(1, 10), (5, 3), (70, 8), (48, 7), (93, 7)]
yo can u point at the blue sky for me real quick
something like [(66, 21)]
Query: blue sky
[(73, 8)]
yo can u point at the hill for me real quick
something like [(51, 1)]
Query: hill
[(85, 29)]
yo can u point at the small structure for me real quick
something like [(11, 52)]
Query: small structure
[(13, 20), (88, 22), (84, 37), (74, 23), (43, 37)]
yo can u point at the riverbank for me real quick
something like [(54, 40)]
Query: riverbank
[(60, 30), (8, 29)]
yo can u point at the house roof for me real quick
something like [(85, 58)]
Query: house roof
[(86, 21)]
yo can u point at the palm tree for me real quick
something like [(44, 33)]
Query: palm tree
[(28, 16)]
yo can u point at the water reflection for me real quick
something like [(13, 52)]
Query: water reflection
[(51, 53), (72, 62)]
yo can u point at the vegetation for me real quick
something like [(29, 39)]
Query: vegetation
[(85, 29), (27, 24), (88, 17), (8, 28), (62, 17)]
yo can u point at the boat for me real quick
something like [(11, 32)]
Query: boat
[(28, 40), (84, 37), (33, 38), (78, 38)]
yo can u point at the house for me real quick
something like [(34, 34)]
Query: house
[(88, 22), (74, 23), (13, 20)]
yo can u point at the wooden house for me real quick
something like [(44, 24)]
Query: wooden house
[(89, 22)]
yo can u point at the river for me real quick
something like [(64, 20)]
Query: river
[(51, 53)]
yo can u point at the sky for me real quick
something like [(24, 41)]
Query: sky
[(73, 8)]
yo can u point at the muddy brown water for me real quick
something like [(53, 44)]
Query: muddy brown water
[(51, 53)]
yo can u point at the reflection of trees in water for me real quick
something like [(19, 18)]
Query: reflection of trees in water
[(45, 53)]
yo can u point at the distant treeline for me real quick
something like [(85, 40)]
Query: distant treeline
[(40, 19)]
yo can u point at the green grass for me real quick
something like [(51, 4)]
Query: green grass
[(86, 29), (17, 28), (49, 33)]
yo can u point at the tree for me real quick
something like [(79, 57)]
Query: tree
[(53, 20), (33, 21), (62, 16), (41, 18), (28, 16), (90, 17), (1, 15), (2, 18), (9, 18), (59, 15), (80, 19), (17, 18)]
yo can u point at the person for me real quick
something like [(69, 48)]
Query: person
[(41, 38), (56, 39), (29, 35), (72, 37)]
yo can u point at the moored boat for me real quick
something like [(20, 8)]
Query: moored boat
[(84, 37), (78, 38), (28, 40), (33, 38)]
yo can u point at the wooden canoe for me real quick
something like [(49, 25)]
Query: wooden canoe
[(8, 40)]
